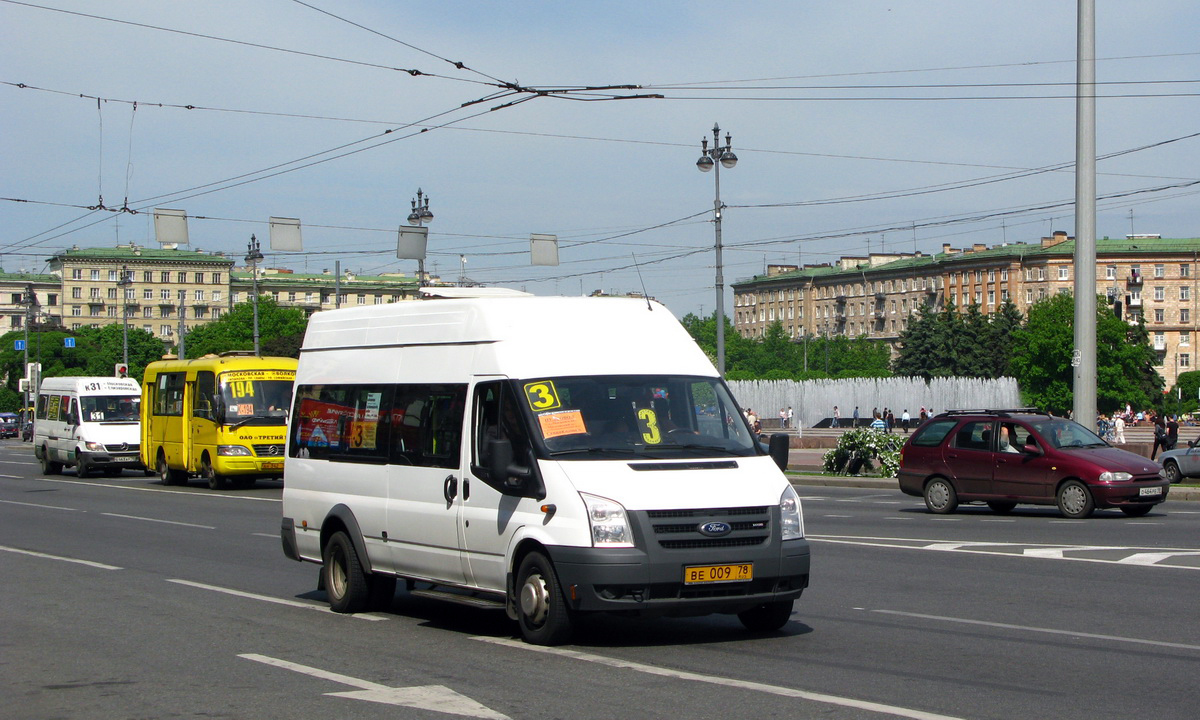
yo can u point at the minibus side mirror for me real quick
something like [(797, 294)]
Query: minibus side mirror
[(219, 413), (501, 467), (778, 450)]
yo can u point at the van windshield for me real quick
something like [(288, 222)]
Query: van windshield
[(110, 408), (253, 400), (659, 416)]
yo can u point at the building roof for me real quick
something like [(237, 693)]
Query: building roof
[(134, 253), (946, 260), (7, 277)]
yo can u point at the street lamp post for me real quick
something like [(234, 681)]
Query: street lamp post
[(713, 159), (419, 216), (124, 284), (253, 255)]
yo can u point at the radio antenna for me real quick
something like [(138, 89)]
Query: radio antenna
[(643, 282)]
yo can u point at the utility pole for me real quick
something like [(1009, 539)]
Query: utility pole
[(1084, 358)]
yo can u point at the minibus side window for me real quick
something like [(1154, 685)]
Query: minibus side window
[(496, 415), (205, 400), (344, 423), (168, 400), (427, 425)]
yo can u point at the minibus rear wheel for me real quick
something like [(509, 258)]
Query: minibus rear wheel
[(49, 467), (541, 609), (345, 582), (166, 474)]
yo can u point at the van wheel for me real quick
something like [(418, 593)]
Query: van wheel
[(1075, 500), (767, 617), (541, 609), (49, 467), (940, 497), (215, 481), (1003, 507), (343, 576), (167, 475), (82, 469)]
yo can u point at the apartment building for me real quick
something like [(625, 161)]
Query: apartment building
[(874, 296), (164, 290)]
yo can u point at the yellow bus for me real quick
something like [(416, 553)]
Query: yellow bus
[(220, 417)]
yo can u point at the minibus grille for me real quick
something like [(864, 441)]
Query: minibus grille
[(269, 450), (122, 447), (680, 529)]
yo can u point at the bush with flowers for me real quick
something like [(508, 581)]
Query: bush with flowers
[(865, 451)]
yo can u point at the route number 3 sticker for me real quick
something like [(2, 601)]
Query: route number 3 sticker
[(542, 396)]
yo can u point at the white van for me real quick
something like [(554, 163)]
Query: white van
[(89, 423), (551, 456)]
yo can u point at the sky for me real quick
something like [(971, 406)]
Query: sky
[(859, 125)]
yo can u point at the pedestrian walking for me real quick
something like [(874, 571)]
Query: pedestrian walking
[(889, 418), (790, 417), (1119, 430), (1172, 432), (924, 416), (905, 420), (1160, 436), (783, 418), (836, 417), (855, 423)]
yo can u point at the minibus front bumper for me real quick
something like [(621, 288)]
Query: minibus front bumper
[(656, 582), (123, 459)]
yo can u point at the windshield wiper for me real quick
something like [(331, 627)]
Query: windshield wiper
[(593, 451)]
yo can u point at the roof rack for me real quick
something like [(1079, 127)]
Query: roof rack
[(1009, 412)]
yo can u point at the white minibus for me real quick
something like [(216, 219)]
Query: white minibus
[(550, 456), (89, 423)]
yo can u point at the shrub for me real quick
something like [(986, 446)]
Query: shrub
[(859, 450)]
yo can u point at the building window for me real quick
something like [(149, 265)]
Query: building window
[(1185, 293), (76, 293), (991, 275), (1041, 273), (1160, 292), (112, 293), (1185, 271), (1185, 337), (1110, 272), (95, 275), (1185, 360), (1062, 272), (76, 310), (76, 274), (198, 278), (164, 330), (1004, 274), (164, 277), (216, 313), (147, 312), (164, 294), (991, 297), (1160, 270), (1004, 296), (95, 293), (1028, 296), (1158, 315), (148, 276), (1185, 316)]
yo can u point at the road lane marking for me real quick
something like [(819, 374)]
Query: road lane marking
[(159, 490), (165, 522), (44, 507), (437, 698), (1033, 629), (717, 680), (60, 558), (275, 600), (1151, 558)]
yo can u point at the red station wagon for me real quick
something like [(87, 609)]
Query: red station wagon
[(1006, 457)]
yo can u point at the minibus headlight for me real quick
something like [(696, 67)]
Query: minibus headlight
[(791, 520), (228, 450), (94, 446), (610, 527)]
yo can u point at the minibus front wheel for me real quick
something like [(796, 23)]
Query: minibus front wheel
[(209, 473), (541, 609)]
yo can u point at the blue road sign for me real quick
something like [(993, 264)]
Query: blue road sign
[(18, 344), (69, 342)]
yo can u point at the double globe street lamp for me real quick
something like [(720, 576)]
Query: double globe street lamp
[(419, 216), (713, 159)]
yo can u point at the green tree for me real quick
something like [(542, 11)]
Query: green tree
[(278, 328), (1043, 347), (96, 352), (1187, 385)]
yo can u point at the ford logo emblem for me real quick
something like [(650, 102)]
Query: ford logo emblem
[(715, 529)]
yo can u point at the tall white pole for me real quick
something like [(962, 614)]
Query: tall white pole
[(1085, 217)]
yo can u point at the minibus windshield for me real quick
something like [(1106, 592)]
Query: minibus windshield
[(249, 400), (662, 416), (110, 408)]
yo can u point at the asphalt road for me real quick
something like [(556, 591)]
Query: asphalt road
[(127, 599)]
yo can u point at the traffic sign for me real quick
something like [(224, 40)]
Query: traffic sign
[(69, 342), (18, 344)]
